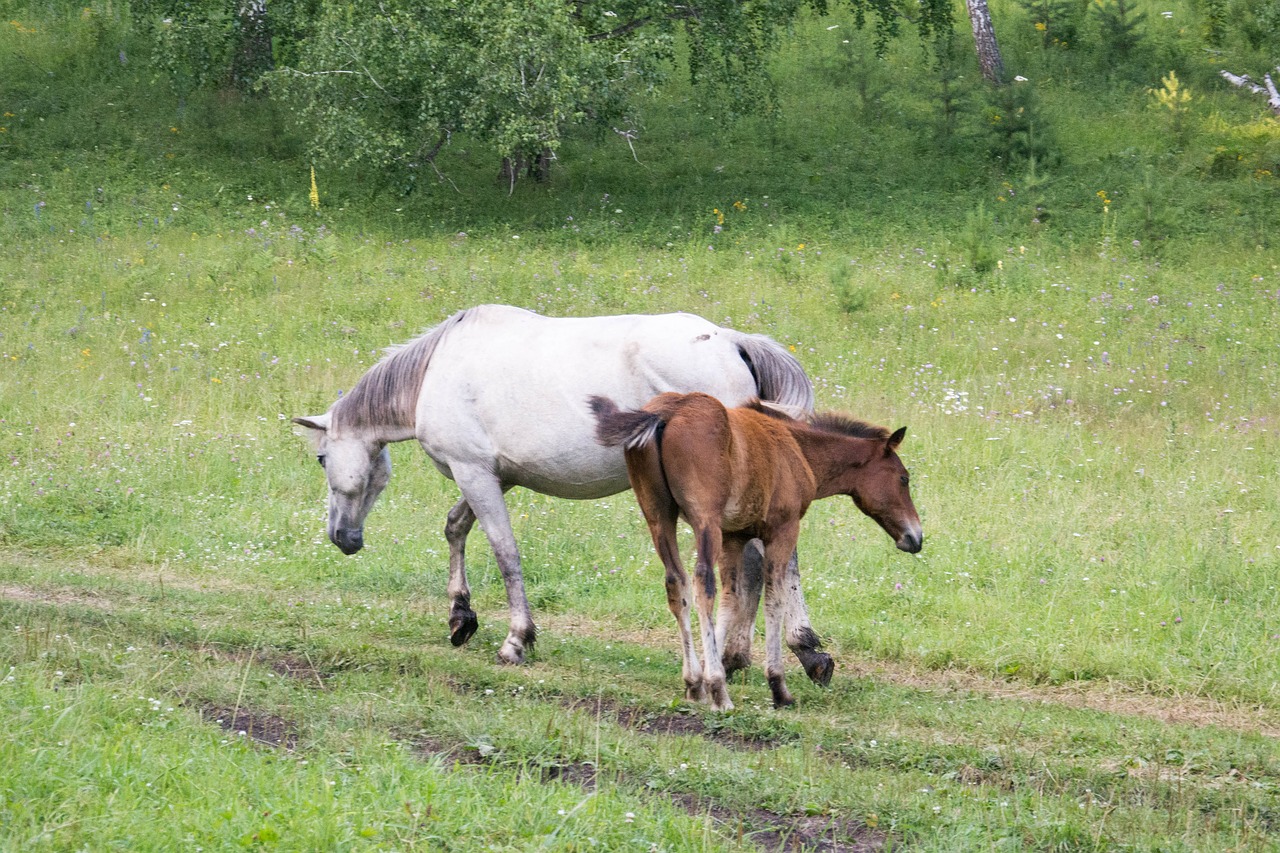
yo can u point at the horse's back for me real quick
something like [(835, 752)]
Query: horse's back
[(508, 387)]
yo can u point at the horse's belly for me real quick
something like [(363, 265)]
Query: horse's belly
[(569, 470)]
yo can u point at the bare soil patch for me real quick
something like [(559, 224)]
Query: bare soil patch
[(262, 728), (671, 723)]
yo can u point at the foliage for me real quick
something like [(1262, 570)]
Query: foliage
[(1057, 22), (1120, 27), (1018, 130), (1091, 436), (1174, 98)]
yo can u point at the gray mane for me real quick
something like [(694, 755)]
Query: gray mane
[(388, 394), (839, 424)]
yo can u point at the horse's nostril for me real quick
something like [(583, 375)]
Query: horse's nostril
[(348, 541)]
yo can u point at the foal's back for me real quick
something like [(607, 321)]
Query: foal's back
[(741, 464)]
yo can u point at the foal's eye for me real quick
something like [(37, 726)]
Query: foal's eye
[(320, 459)]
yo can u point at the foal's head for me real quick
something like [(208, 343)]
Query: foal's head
[(880, 486), (358, 468)]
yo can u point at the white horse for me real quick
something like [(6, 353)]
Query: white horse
[(497, 397)]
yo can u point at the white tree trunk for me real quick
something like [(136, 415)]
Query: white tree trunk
[(984, 39), (1243, 81)]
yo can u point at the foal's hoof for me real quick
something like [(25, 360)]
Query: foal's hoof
[(510, 653), (719, 696), (462, 625), (820, 668), (781, 696), (735, 662)]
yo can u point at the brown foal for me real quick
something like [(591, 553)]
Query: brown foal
[(742, 474)]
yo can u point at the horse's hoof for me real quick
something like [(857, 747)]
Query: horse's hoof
[(781, 696), (821, 670), (510, 654), (695, 693), (462, 626), (720, 700), (735, 662)]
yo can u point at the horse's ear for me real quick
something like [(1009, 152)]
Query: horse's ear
[(896, 438), (319, 422)]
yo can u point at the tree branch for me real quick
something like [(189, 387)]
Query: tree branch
[(621, 30), (1243, 81)]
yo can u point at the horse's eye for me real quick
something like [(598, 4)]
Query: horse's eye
[(320, 459), (905, 480)]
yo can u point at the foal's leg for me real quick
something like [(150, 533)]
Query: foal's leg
[(801, 638), (741, 579), (663, 532), (777, 552), (660, 512), (482, 491), (462, 619), (739, 602), (709, 539)]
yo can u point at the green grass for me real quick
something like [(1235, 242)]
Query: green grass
[(1083, 657)]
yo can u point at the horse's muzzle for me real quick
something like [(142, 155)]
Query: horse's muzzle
[(348, 541), (911, 542)]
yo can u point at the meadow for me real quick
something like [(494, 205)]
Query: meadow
[(1085, 656)]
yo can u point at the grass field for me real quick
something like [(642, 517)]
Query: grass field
[(1085, 656)]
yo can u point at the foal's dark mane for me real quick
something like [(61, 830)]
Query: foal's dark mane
[(834, 422), (830, 422), (388, 394)]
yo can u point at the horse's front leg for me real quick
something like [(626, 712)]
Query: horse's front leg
[(777, 553), (482, 491), (801, 638), (462, 619)]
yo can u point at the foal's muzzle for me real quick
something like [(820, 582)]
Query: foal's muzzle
[(911, 542), (350, 541)]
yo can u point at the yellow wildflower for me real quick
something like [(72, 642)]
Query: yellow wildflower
[(315, 192)]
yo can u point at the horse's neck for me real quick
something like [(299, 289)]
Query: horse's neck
[(391, 433), (831, 456)]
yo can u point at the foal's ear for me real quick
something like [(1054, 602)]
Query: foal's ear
[(896, 438), (319, 422)]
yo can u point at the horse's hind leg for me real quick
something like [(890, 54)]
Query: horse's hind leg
[(741, 580), (661, 512), (462, 619), (482, 491), (710, 545)]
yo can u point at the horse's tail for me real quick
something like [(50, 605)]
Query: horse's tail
[(780, 379), (630, 430)]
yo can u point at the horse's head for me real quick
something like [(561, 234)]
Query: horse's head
[(358, 469), (883, 491)]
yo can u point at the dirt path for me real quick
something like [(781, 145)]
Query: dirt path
[(1106, 697)]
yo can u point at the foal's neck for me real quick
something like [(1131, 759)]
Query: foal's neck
[(831, 457)]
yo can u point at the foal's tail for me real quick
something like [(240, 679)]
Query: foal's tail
[(630, 430), (780, 379)]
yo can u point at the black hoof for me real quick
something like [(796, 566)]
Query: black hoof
[(822, 669), (817, 665), (462, 625), (782, 697)]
